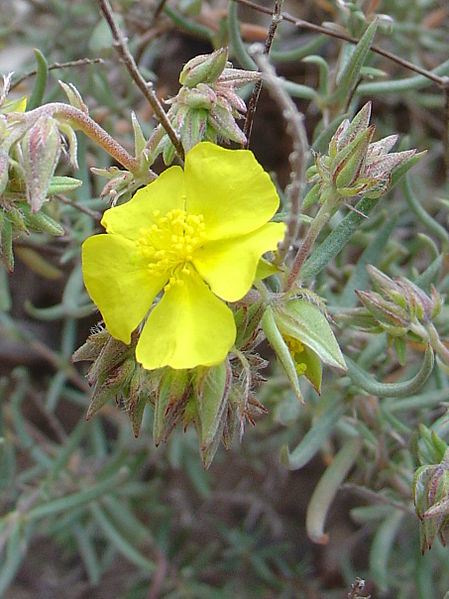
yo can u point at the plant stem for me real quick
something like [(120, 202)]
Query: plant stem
[(253, 101), (297, 158), (145, 87), (80, 120), (321, 218), (436, 343)]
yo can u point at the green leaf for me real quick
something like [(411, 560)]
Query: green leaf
[(351, 70), (62, 185), (41, 81), (314, 438), (401, 389), (327, 488), (213, 392), (371, 255)]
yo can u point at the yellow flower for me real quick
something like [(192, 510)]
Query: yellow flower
[(198, 235)]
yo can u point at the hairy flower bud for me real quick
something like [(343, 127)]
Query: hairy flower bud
[(205, 68), (354, 165), (206, 107), (431, 498), (400, 308), (41, 147)]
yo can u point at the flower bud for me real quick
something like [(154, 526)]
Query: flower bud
[(355, 165), (201, 96), (204, 69), (41, 147), (388, 314), (4, 167), (172, 396), (212, 394), (431, 498)]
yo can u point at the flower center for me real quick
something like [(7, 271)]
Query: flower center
[(171, 241), (296, 348)]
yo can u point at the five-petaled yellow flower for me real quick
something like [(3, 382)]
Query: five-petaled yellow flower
[(197, 234)]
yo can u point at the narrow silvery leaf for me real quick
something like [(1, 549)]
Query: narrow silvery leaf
[(351, 70)]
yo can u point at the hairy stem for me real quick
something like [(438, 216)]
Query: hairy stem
[(321, 218), (297, 158), (80, 120), (253, 101)]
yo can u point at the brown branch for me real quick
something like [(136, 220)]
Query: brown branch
[(253, 101), (59, 65), (96, 216), (440, 81), (157, 11), (145, 87)]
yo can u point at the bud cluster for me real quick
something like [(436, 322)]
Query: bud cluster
[(30, 148), (355, 165), (402, 310), (431, 492), (217, 400), (207, 105), (399, 306)]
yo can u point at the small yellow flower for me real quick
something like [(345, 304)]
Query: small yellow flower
[(198, 235), (296, 349)]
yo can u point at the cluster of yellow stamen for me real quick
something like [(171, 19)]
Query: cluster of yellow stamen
[(296, 348), (169, 244)]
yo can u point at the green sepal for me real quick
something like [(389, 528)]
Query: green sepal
[(281, 350), (172, 397), (401, 350), (193, 128), (139, 138), (247, 320), (113, 385), (138, 397), (40, 222), (314, 367), (305, 322), (265, 269), (213, 388), (6, 251)]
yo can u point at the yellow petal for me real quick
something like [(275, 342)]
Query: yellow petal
[(229, 266), (188, 327), (230, 189), (118, 282), (164, 194)]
